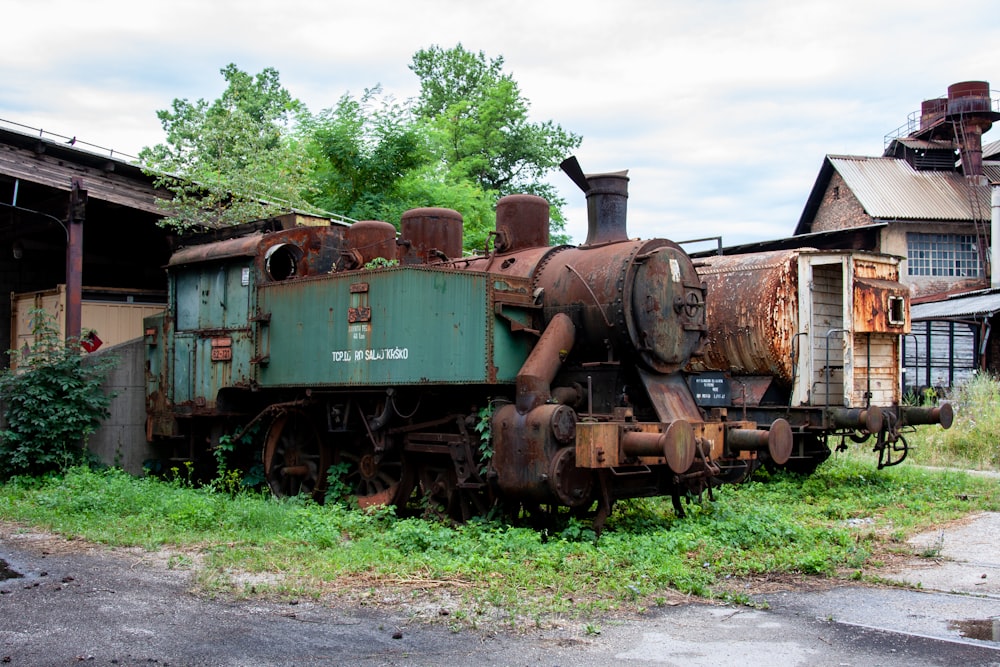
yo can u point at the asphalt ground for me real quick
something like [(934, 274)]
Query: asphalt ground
[(68, 603)]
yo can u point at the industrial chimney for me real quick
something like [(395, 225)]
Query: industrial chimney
[(971, 113)]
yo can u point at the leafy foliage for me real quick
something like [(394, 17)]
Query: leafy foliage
[(257, 151), (362, 149), (234, 160), (52, 401), (478, 123), (481, 119)]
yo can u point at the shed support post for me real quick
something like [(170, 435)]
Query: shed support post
[(74, 258)]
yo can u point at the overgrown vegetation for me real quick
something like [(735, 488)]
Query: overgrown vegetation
[(844, 521), (972, 441), (841, 522), (52, 401)]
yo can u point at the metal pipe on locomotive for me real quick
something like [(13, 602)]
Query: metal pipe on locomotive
[(379, 379)]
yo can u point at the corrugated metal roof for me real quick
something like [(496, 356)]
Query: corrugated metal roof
[(890, 189), (986, 302), (991, 149), (934, 144), (991, 170)]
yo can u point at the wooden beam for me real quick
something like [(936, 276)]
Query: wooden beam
[(103, 184)]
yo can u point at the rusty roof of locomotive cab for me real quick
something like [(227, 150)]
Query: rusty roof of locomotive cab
[(243, 246), (307, 238)]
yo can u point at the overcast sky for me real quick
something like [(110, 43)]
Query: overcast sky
[(721, 111)]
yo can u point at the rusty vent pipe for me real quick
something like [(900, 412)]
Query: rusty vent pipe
[(534, 381)]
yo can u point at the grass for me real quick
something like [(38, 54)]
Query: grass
[(843, 522), (972, 442), (840, 522)]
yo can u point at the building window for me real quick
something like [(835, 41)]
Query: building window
[(954, 255)]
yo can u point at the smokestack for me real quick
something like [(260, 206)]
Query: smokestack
[(969, 108), (607, 202), (607, 205), (932, 111)]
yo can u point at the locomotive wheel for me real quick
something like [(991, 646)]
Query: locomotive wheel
[(443, 497), (295, 461), (574, 487), (374, 480), (804, 461)]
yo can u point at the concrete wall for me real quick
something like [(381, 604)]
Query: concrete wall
[(121, 440), (894, 243)]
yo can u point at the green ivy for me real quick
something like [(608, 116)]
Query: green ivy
[(484, 426), (52, 402)]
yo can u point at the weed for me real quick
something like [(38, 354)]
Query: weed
[(933, 550), (380, 263), (53, 401), (971, 442), (337, 488), (179, 562), (484, 427)]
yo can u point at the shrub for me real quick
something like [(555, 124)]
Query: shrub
[(52, 402)]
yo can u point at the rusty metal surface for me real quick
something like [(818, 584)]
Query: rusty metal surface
[(752, 313), (873, 303), (671, 397), (572, 485), (371, 239), (943, 415), (534, 381), (676, 444), (876, 289), (776, 440), (520, 263), (607, 205), (857, 419), (637, 295), (74, 259), (244, 246), (524, 446), (317, 249), (969, 97), (522, 222), (430, 235)]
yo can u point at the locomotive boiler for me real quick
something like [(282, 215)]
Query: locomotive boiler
[(813, 337), (393, 369)]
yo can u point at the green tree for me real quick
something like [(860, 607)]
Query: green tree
[(478, 123), (234, 160), (361, 150), (374, 161)]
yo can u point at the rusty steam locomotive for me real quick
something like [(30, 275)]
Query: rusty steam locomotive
[(390, 366)]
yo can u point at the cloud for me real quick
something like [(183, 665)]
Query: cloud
[(721, 110)]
